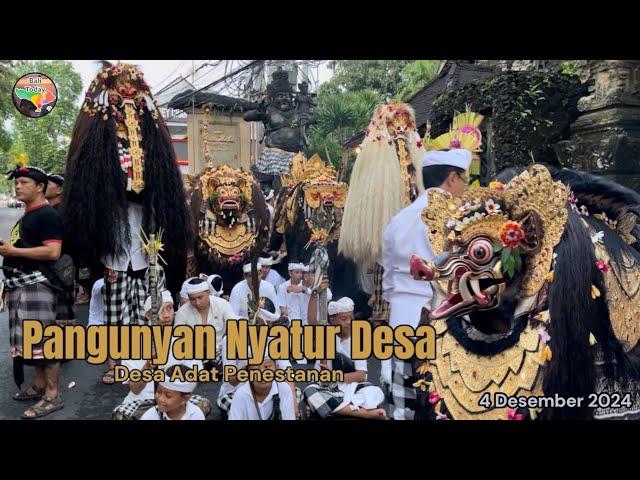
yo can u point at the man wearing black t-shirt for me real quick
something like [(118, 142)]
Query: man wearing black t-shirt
[(35, 242)]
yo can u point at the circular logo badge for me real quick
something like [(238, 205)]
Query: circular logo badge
[(35, 95)]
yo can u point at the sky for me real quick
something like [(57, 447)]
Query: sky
[(159, 73)]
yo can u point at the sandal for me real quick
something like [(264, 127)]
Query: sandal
[(109, 377), (42, 410), (25, 395), (82, 299)]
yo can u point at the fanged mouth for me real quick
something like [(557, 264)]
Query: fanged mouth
[(229, 205), (467, 292)]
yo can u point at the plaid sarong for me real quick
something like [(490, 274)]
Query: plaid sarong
[(24, 279), (124, 298), (224, 402), (323, 401), (65, 301), (274, 161), (402, 390), (35, 301), (381, 309), (134, 409)]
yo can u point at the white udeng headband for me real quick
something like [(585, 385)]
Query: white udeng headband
[(247, 267), (266, 261), (179, 386), (345, 304), (295, 266), (166, 298), (197, 288)]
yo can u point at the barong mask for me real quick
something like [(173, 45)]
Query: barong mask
[(493, 243), (120, 93), (225, 213), (312, 188), (228, 193)]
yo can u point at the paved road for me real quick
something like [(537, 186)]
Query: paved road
[(90, 399)]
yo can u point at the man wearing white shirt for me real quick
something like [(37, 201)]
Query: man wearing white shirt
[(355, 396), (240, 293), (289, 292), (269, 274), (184, 296), (406, 235), (205, 309)]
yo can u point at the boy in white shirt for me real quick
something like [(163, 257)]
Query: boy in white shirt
[(263, 400), (230, 386), (141, 394), (240, 292), (355, 397), (173, 399)]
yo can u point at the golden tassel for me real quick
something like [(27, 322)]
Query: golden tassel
[(137, 183), (403, 156)]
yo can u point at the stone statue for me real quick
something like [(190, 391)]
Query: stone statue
[(286, 116)]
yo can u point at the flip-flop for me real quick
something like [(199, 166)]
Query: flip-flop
[(109, 374), (24, 395), (41, 410)]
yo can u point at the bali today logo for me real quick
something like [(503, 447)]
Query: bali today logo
[(35, 95)]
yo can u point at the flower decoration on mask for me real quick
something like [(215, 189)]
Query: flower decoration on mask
[(488, 237)]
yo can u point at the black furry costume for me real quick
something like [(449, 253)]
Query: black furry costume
[(213, 260), (343, 279), (95, 194)]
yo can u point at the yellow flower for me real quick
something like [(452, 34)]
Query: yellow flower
[(592, 339), (423, 368), (549, 276), (595, 293), (546, 354), (422, 384)]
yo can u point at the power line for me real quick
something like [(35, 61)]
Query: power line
[(215, 82), (171, 74), (181, 77)]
